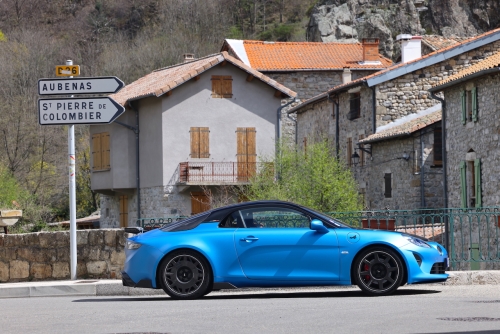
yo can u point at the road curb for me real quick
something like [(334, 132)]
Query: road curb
[(115, 287)]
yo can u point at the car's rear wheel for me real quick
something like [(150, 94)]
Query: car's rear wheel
[(185, 275), (378, 271)]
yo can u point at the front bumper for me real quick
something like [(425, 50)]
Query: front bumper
[(426, 265)]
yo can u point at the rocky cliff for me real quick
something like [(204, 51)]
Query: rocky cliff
[(349, 20)]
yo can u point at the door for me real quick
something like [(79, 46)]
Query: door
[(199, 203), (246, 153), (123, 211), (277, 244)]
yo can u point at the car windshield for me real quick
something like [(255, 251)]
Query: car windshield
[(335, 222)]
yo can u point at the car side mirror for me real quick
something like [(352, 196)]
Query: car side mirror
[(317, 225)]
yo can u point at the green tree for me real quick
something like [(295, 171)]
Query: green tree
[(312, 177), (10, 189)]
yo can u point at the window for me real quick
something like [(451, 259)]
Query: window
[(349, 152), (469, 105), (274, 217), (100, 151), (361, 152), (355, 106), (200, 146), (388, 185), (222, 86), (470, 183), (437, 147)]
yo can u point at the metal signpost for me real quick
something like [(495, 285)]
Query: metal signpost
[(71, 111)]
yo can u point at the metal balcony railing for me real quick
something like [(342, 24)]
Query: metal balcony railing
[(216, 172)]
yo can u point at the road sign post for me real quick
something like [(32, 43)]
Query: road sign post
[(71, 111)]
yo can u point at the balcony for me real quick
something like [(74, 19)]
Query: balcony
[(216, 173)]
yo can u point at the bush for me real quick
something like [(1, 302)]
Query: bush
[(313, 178)]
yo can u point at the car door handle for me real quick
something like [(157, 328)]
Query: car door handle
[(250, 238)]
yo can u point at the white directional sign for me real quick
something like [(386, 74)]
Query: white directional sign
[(92, 110), (97, 85)]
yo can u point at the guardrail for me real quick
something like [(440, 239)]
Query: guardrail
[(217, 172)]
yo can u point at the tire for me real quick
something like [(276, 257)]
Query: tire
[(185, 275), (378, 271)]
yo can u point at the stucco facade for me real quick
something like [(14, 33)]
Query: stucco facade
[(165, 123)]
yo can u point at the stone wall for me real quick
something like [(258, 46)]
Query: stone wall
[(409, 94), (46, 255), (474, 140), (465, 143)]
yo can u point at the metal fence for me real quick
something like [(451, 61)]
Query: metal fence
[(218, 172), (472, 236)]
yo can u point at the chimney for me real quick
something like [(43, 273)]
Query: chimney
[(370, 50), (411, 47), (346, 75), (188, 57)]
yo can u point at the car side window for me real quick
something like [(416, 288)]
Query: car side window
[(232, 221), (274, 217)]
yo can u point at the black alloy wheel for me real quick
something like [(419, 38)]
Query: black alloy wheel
[(185, 275), (378, 271)]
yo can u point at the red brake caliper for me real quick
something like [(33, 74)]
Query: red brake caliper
[(367, 277)]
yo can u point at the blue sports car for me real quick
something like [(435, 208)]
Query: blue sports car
[(276, 244)]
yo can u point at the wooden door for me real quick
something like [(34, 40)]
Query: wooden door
[(123, 211), (246, 153), (199, 203)]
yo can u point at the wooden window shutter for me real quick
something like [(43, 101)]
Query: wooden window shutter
[(387, 185), (227, 86), (195, 142), (477, 183), (463, 183), (349, 151), (204, 143), (474, 104), (216, 86), (463, 97), (105, 151), (246, 152)]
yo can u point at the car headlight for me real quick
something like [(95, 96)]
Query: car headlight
[(132, 245), (417, 241)]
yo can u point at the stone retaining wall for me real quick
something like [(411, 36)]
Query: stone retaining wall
[(46, 255)]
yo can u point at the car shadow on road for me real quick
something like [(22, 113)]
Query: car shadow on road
[(262, 295)]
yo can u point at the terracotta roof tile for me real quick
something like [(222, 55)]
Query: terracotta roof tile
[(163, 80), (389, 69), (286, 56), (404, 129), (488, 63)]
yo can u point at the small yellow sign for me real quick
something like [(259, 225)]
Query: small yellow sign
[(67, 70)]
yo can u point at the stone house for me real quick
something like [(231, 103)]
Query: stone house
[(471, 129), (350, 113), (308, 68), (188, 130)]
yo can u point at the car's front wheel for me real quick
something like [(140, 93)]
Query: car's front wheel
[(378, 271), (185, 275)]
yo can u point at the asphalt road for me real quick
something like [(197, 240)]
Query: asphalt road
[(413, 309)]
